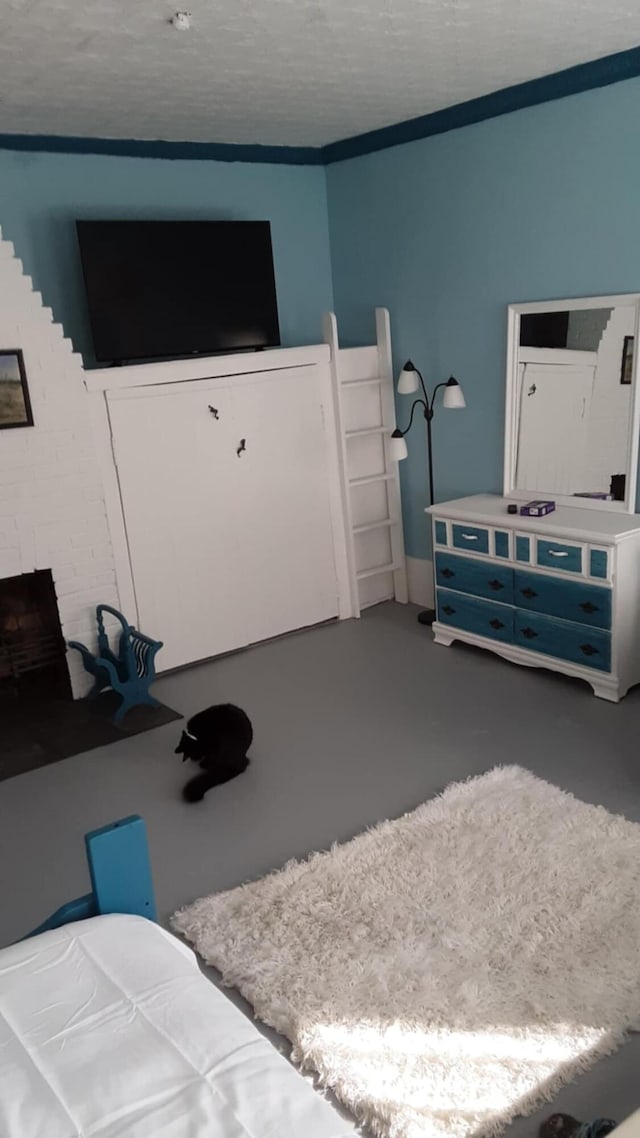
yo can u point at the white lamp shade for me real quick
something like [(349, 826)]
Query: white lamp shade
[(398, 448), (407, 381), (453, 397)]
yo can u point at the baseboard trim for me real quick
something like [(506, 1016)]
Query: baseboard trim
[(420, 581)]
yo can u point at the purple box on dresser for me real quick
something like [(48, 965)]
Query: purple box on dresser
[(538, 508)]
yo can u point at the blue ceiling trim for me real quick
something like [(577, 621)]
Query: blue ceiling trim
[(584, 77), (141, 148)]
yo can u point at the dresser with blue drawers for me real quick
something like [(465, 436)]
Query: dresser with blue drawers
[(559, 592)]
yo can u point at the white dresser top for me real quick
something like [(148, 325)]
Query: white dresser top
[(577, 522)]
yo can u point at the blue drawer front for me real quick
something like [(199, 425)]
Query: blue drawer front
[(482, 578), (472, 538), (473, 615), (502, 544), (598, 563), (590, 647), (554, 555), (569, 600), (441, 533), (523, 549)]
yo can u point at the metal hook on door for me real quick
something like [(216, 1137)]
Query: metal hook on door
[(243, 446), (214, 411)]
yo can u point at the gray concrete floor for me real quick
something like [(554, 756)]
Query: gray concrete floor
[(354, 722)]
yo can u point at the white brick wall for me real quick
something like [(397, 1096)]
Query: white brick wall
[(52, 512)]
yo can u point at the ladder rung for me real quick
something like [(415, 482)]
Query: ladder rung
[(371, 478), (377, 571), (362, 382), (374, 525), (366, 431)]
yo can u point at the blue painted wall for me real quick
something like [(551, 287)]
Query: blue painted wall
[(448, 230), (41, 195)]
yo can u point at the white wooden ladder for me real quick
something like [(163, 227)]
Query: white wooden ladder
[(365, 417)]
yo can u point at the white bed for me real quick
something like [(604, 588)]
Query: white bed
[(109, 1029)]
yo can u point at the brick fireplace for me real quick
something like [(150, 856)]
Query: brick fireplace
[(52, 511), (32, 648)]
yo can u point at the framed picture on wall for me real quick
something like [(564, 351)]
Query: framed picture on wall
[(15, 405), (627, 360)]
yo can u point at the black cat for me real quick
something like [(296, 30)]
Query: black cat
[(218, 739)]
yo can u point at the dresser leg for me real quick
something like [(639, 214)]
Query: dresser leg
[(441, 637), (605, 691)]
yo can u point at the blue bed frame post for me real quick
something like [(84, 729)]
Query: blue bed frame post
[(120, 870)]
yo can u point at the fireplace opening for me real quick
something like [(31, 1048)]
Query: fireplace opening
[(32, 649), (41, 721)]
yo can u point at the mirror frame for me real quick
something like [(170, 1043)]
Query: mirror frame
[(515, 311)]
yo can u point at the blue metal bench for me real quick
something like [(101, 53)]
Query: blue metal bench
[(129, 672)]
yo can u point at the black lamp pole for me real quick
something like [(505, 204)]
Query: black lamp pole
[(429, 417), (427, 616)]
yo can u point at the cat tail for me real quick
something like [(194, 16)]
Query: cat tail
[(197, 787)]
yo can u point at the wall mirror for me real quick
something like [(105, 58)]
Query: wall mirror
[(571, 425)]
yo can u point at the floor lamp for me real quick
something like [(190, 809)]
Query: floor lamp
[(453, 399)]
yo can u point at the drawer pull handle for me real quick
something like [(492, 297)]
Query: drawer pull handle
[(529, 633), (470, 536), (496, 585), (447, 573), (557, 553), (586, 606), (588, 650), (529, 593), (495, 623), (449, 611)]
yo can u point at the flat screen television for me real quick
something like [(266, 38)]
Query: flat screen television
[(178, 288)]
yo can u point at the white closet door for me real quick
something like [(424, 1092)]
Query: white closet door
[(288, 567), (173, 458)]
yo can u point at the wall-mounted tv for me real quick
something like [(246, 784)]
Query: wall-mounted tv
[(178, 288)]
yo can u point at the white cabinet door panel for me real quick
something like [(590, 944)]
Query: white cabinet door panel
[(173, 459), (282, 490)]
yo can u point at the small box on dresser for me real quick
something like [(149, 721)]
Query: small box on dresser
[(538, 509)]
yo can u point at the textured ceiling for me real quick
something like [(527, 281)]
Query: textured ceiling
[(288, 72)]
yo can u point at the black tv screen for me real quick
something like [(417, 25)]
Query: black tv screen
[(178, 288)]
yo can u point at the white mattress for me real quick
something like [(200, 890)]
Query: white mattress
[(108, 1028), (630, 1128)]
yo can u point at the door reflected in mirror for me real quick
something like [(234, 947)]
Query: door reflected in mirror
[(574, 401)]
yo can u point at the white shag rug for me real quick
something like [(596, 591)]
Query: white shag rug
[(447, 971)]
